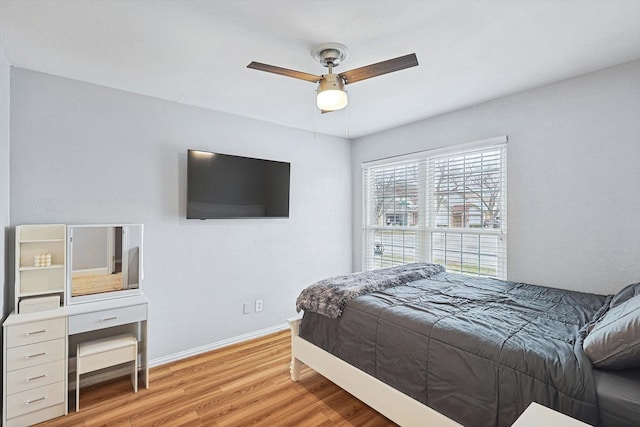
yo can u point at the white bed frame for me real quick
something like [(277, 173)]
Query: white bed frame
[(391, 403)]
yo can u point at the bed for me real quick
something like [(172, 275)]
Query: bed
[(426, 347)]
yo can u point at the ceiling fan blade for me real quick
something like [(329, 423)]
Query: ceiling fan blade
[(284, 72), (380, 68)]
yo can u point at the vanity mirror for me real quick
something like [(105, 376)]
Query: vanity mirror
[(104, 261)]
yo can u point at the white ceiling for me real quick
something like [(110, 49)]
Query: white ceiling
[(196, 51)]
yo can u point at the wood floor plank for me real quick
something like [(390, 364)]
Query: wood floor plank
[(246, 384)]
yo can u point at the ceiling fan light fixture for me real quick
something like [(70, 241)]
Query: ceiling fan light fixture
[(331, 94)]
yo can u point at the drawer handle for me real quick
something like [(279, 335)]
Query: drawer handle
[(37, 332), (29, 402), (106, 319), (36, 378), (31, 356)]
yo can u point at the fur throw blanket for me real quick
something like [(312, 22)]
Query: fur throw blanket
[(329, 296)]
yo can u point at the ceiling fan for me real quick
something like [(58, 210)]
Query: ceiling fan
[(331, 94)]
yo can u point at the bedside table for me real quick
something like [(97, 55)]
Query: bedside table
[(537, 415)]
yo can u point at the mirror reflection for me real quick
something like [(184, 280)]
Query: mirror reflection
[(104, 259)]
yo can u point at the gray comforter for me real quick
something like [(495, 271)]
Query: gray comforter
[(476, 350)]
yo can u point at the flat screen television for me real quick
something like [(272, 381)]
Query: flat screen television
[(226, 186)]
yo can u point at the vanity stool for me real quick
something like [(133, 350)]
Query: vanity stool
[(103, 353)]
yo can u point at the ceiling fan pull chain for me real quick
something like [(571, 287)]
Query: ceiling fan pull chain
[(346, 131), (315, 114)]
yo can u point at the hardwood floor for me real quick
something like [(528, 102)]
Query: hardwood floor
[(246, 384)]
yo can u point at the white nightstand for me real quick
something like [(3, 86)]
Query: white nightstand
[(537, 415)]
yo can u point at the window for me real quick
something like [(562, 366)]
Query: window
[(445, 206)]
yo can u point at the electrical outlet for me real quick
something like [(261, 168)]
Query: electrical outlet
[(247, 308), (258, 305)]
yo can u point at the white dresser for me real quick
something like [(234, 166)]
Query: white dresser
[(35, 367)]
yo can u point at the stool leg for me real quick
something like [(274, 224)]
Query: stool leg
[(77, 379), (135, 370)]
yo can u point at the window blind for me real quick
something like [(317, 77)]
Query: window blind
[(448, 208), (394, 214)]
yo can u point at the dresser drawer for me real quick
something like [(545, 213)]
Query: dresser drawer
[(35, 354), (33, 400), (29, 333), (107, 318), (38, 416), (35, 376)]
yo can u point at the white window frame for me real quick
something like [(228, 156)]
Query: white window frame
[(426, 228)]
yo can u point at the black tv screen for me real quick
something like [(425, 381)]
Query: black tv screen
[(225, 186)]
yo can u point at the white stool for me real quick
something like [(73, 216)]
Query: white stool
[(103, 353)]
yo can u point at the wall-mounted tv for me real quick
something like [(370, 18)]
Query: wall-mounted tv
[(226, 186)]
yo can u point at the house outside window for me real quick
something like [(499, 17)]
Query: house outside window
[(446, 206)]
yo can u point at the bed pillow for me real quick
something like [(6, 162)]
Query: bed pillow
[(626, 293), (614, 341)]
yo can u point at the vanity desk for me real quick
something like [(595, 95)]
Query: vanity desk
[(39, 344), (108, 318)]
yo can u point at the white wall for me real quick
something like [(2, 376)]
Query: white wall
[(4, 182), (573, 176), (82, 153)]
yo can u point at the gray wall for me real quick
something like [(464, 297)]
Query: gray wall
[(82, 153), (573, 176), (5, 305)]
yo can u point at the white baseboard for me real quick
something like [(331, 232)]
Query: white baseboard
[(216, 345)]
